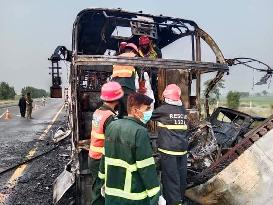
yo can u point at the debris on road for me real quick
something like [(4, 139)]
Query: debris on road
[(61, 134)]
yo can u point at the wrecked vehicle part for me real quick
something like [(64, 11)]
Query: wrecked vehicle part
[(213, 138), (248, 63), (230, 125), (101, 23), (63, 183), (60, 53), (247, 140), (96, 33), (242, 175), (203, 149), (219, 58), (60, 134), (159, 63)]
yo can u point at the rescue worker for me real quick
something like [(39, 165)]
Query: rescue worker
[(29, 102), (129, 168), (172, 144), (22, 105), (125, 76), (148, 49), (111, 92), (122, 46)]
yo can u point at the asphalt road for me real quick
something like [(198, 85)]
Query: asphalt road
[(22, 139)]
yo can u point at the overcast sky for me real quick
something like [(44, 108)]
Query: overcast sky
[(30, 30)]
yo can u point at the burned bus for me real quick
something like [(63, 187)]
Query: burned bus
[(96, 39)]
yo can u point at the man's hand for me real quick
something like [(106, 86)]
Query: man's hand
[(161, 201), (102, 191), (84, 144)]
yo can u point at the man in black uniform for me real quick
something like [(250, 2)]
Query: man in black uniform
[(172, 144), (22, 105)]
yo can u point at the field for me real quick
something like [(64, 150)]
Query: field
[(7, 102), (262, 101), (10, 102), (254, 105)]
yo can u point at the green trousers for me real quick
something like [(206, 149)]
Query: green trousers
[(97, 183)]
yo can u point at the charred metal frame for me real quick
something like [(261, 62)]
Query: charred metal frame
[(92, 36), (145, 62), (249, 139), (113, 17), (87, 51)]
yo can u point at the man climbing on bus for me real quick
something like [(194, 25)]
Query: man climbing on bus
[(125, 76), (148, 49)]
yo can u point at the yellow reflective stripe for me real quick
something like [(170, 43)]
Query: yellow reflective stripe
[(101, 175), (120, 163), (131, 167), (145, 163), (153, 192), (97, 149), (173, 127), (126, 193), (172, 152), (97, 135), (128, 181), (132, 196)]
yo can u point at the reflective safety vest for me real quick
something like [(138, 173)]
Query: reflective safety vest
[(151, 54), (97, 134), (124, 71), (130, 170), (172, 129)]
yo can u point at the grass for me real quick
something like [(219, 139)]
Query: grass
[(260, 105), (7, 102), (255, 101), (258, 101)]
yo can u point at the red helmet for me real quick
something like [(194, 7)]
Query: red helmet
[(172, 92), (144, 40), (122, 45), (132, 46), (111, 91)]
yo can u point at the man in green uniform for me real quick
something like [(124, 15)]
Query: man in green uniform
[(111, 92), (128, 168)]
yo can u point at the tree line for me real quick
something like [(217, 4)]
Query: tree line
[(7, 92), (35, 92)]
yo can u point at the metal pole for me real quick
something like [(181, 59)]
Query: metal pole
[(198, 74)]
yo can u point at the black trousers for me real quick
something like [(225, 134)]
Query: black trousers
[(123, 101), (173, 176), (23, 111)]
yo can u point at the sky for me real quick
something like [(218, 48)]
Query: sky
[(30, 30)]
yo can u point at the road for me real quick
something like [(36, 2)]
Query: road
[(22, 139)]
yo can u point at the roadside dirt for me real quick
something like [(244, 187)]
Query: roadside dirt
[(35, 186)]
